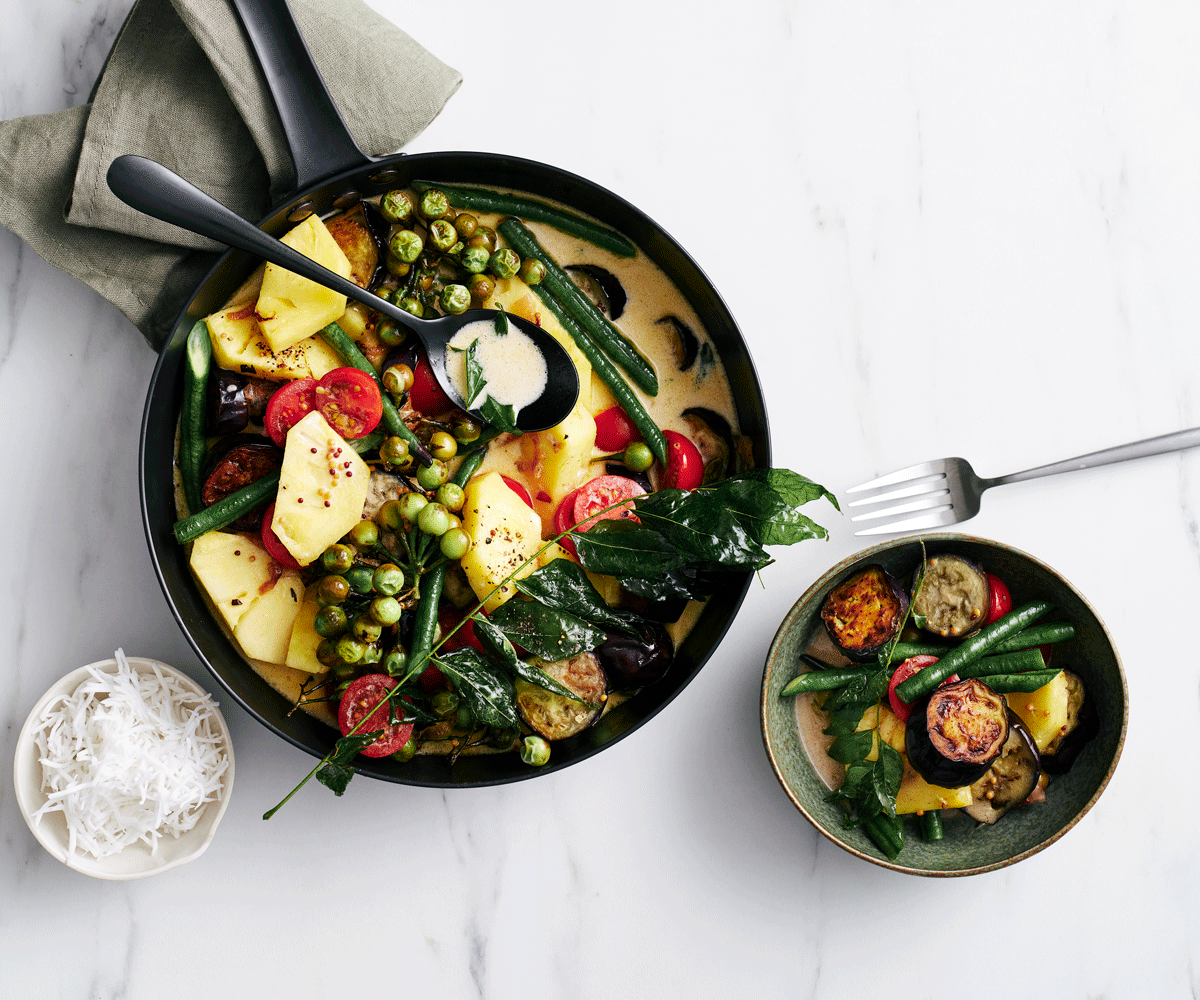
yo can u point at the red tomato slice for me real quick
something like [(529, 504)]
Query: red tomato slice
[(999, 599), (287, 406), (564, 519), (913, 665), (519, 490), (685, 466), (601, 492), (272, 543), (426, 396), (360, 698), (614, 429), (350, 401)]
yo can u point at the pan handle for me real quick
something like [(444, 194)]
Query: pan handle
[(319, 141)]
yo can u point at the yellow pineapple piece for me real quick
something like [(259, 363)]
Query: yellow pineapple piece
[(303, 642), (323, 484), (1045, 711), (291, 308), (239, 345), (504, 533)]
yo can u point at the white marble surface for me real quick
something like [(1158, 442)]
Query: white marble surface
[(898, 201)]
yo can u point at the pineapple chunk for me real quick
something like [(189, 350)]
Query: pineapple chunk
[(557, 459), (323, 484), (918, 795), (303, 643), (265, 629), (291, 308), (239, 346), (258, 602), (889, 727), (504, 533), (1045, 711), (602, 397)]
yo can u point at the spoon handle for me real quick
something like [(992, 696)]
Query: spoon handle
[(155, 190)]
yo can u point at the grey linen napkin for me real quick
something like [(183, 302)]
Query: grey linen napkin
[(182, 87)]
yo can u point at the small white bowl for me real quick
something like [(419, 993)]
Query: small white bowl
[(135, 861)]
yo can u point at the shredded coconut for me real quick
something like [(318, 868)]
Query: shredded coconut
[(129, 757)]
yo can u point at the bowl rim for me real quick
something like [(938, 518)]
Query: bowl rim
[(29, 795), (866, 554)]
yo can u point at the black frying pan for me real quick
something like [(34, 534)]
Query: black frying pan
[(332, 172)]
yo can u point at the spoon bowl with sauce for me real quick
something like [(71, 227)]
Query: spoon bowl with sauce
[(528, 370)]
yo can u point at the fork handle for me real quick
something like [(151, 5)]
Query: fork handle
[(1177, 441)]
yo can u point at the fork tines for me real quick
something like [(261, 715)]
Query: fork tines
[(924, 489)]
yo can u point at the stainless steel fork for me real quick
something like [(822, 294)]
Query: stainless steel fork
[(947, 490)]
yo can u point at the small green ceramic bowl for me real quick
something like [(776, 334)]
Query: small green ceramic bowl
[(967, 848)]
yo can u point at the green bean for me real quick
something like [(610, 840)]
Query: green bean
[(887, 832), (226, 511), (621, 390), (597, 326), (485, 200), (821, 680), (426, 619), (1030, 681), (336, 338), (1027, 638), (470, 465), (192, 445), (924, 681), (931, 825), (1022, 661)]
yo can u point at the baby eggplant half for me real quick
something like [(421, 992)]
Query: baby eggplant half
[(955, 734), (551, 715), (954, 597), (863, 614), (1012, 777)]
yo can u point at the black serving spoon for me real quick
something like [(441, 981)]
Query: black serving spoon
[(157, 191)]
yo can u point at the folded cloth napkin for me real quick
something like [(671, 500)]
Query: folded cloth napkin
[(182, 87)]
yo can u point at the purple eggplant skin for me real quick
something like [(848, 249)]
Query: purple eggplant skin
[(235, 399), (1087, 725), (635, 661), (609, 284), (689, 345), (954, 599), (379, 228), (714, 438), (936, 753), (1012, 777), (864, 613), (617, 469)]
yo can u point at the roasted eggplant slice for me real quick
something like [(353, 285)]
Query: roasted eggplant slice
[(234, 400), (954, 598), (240, 466), (554, 717), (634, 661), (713, 437), (686, 344), (1083, 722), (864, 613), (1011, 779), (362, 247), (954, 734), (603, 286)]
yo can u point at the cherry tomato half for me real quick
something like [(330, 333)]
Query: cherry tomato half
[(685, 466), (360, 698), (614, 429), (913, 665), (426, 396), (601, 492), (288, 405), (350, 401), (564, 519), (520, 491), (999, 599), (273, 545)]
